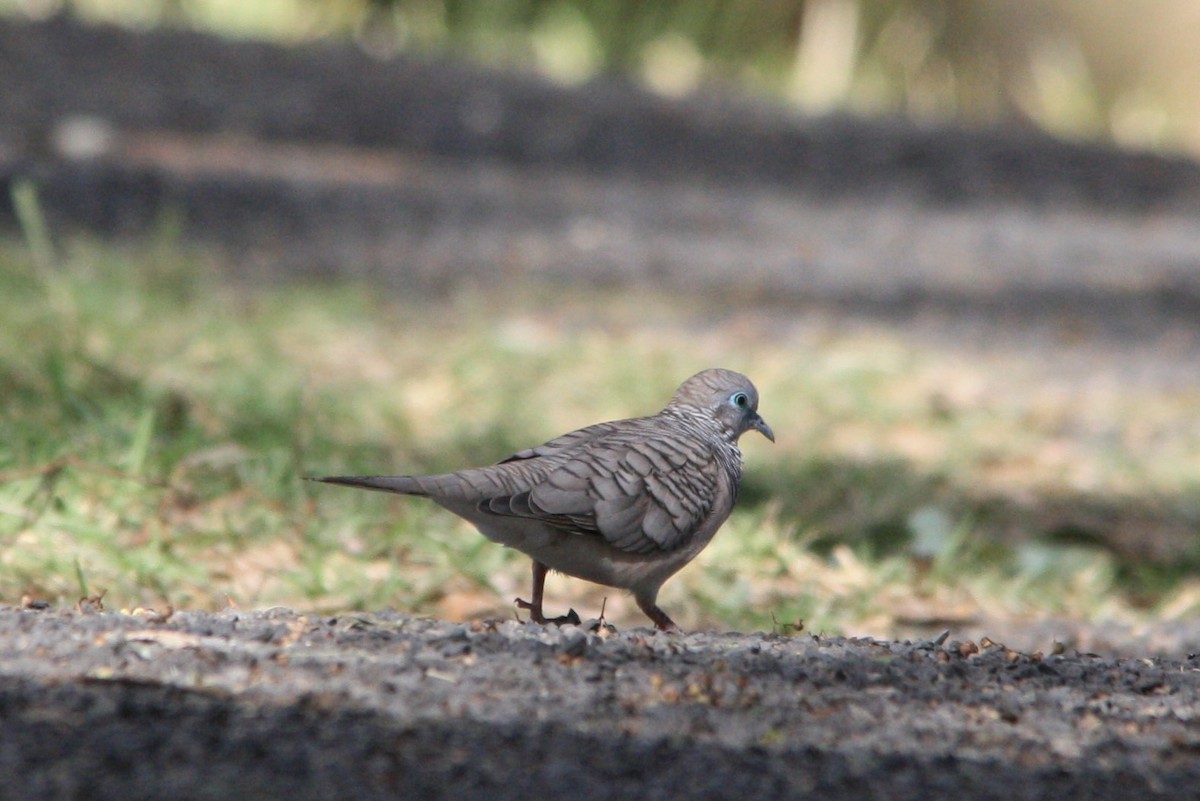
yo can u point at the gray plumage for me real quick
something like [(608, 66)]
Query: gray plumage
[(625, 503)]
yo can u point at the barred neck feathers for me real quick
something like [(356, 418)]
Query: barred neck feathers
[(706, 429)]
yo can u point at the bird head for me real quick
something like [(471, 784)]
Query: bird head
[(729, 397)]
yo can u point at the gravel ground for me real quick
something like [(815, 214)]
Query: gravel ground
[(255, 704)]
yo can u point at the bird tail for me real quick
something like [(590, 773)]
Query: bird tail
[(403, 485)]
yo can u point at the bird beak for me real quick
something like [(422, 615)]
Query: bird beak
[(760, 425)]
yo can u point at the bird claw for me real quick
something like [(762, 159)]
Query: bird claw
[(535, 611), (535, 614)]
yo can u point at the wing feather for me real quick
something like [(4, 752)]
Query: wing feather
[(641, 489)]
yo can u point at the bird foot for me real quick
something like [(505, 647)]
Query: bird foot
[(535, 614)]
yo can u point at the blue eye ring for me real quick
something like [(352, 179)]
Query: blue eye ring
[(740, 400)]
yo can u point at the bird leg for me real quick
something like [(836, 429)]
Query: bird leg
[(535, 606), (539, 586), (662, 621)]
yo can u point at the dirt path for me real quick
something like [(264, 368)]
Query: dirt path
[(369, 706)]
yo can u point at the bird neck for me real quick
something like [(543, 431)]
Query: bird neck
[(703, 425)]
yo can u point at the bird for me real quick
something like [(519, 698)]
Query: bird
[(625, 503)]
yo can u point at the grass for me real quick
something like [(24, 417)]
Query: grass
[(156, 421)]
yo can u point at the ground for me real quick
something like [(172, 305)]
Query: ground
[(273, 703)]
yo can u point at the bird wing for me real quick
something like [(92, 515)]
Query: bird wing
[(641, 489), (575, 439)]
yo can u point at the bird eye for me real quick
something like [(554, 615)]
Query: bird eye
[(740, 400)]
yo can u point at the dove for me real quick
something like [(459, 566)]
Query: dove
[(625, 503)]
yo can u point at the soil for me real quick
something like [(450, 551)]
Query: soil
[(321, 161), (276, 704)]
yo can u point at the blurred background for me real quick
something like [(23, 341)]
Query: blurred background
[(1087, 69), (955, 244)]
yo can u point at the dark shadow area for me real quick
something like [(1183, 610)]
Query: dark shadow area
[(431, 232), (180, 81), (870, 506)]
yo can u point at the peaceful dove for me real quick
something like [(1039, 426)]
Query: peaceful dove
[(625, 503)]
